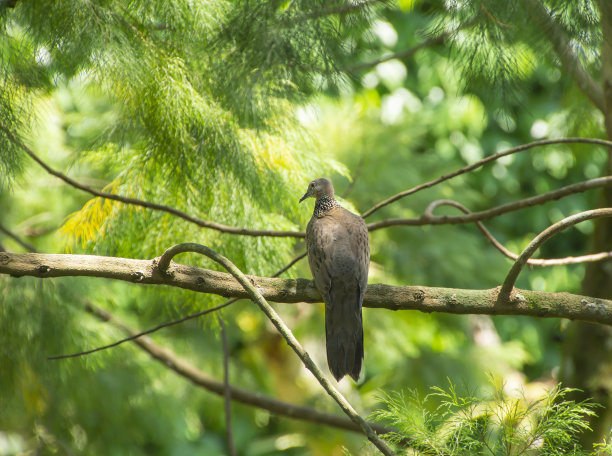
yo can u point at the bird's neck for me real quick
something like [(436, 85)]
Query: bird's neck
[(323, 205)]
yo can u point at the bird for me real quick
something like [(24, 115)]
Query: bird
[(339, 257)]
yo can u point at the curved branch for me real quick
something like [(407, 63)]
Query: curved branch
[(188, 371), (513, 256), (506, 288), (255, 295), (424, 299), (428, 219), (478, 164), (146, 204)]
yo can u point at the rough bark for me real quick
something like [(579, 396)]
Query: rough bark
[(425, 299)]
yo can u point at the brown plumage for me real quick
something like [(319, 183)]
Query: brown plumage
[(339, 257)]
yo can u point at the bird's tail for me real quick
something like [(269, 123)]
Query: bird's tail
[(344, 336)]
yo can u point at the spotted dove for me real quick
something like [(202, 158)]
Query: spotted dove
[(339, 257)]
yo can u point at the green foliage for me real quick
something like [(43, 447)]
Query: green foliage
[(225, 110), (447, 423)]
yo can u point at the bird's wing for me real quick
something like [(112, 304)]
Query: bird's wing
[(319, 238)]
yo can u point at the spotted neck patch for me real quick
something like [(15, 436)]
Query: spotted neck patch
[(324, 204)]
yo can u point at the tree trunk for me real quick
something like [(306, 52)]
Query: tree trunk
[(588, 347)]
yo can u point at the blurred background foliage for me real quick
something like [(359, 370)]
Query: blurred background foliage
[(226, 110)]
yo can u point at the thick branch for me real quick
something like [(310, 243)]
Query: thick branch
[(428, 219), (188, 371), (425, 299), (563, 48)]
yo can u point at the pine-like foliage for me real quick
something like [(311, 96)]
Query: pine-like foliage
[(198, 111), (500, 43), (445, 423)]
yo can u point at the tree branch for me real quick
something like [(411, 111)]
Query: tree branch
[(188, 371), (373, 226), (404, 54), (498, 245), (425, 299), (146, 204), (428, 219), (563, 48), (407, 53), (484, 161), (256, 296), (506, 289), (146, 332), (227, 392), (29, 247)]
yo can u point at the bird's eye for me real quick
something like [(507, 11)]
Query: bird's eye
[(311, 184)]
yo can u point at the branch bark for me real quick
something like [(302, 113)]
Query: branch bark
[(425, 299)]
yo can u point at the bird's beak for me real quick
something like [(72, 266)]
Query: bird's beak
[(306, 195)]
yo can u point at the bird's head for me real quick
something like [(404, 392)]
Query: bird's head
[(319, 188)]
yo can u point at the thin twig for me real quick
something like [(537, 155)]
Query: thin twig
[(428, 219), (16, 238), (188, 371), (478, 164), (490, 16), (227, 392), (286, 333), (149, 205), (506, 288), (173, 322), (354, 177), (290, 264), (407, 53), (513, 256), (148, 331)]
